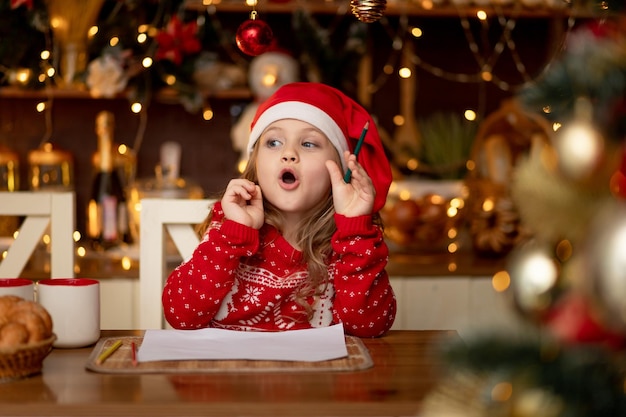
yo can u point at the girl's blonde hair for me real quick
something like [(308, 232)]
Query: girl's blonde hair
[(314, 237)]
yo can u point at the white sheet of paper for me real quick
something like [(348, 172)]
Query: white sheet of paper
[(310, 345)]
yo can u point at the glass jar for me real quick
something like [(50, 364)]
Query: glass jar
[(51, 169), (9, 170), (9, 181)]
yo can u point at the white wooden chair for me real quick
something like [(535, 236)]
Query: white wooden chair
[(40, 210), (179, 217)]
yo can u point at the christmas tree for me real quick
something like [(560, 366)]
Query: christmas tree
[(568, 280)]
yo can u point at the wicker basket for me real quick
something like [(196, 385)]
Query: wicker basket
[(25, 360)]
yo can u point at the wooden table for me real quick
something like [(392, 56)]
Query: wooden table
[(405, 370)]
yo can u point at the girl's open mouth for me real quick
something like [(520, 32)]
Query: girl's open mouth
[(288, 179)]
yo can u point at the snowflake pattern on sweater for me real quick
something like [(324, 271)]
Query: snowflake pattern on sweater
[(241, 278)]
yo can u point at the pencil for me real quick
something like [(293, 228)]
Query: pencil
[(104, 355), (357, 149), (134, 352)]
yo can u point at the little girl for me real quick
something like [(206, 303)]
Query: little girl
[(291, 245)]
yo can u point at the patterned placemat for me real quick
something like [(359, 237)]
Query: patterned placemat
[(120, 362)]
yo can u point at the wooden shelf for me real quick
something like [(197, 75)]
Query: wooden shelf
[(165, 95), (16, 92), (169, 95), (465, 263), (394, 8)]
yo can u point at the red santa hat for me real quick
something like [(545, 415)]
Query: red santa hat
[(339, 117)]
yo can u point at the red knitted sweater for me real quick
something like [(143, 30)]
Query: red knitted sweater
[(246, 279)]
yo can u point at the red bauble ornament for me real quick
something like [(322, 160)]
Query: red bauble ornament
[(572, 321), (254, 36), (618, 179)]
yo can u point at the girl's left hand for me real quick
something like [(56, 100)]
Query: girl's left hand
[(355, 198)]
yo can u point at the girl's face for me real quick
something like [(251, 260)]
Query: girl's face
[(291, 166)]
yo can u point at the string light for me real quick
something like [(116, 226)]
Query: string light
[(207, 111), (398, 35), (416, 32), (404, 72), (136, 107), (470, 115), (486, 65), (396, 48), (22, 76)]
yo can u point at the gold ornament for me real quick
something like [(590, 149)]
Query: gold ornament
[(70, 21), (368, 11), (604, 263), (584, 156), (536, 276), (495, 225)]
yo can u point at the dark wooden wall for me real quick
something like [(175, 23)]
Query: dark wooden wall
[(207, 154)]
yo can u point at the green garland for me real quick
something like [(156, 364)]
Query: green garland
[(325, 59), (22, 37), (593, 66), (586, 380)]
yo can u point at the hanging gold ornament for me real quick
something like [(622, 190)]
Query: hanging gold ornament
[(368, 11), (70, 21)]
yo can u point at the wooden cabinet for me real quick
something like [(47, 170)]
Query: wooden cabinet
[(119, 303), (466, 304), (463, 303)]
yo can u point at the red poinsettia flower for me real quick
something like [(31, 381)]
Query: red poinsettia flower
[(17, 3), (178, 39)]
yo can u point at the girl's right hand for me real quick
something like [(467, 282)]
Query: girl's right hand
[(242, 202)]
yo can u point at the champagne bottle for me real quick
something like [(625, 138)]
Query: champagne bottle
[(107, 215)]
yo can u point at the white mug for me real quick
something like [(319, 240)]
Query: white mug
[(74, 305), (21, 287)]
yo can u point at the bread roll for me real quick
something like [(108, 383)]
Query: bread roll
[(13, 334), (32, 307), (7, 302), (22, 321), (33, 323)]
